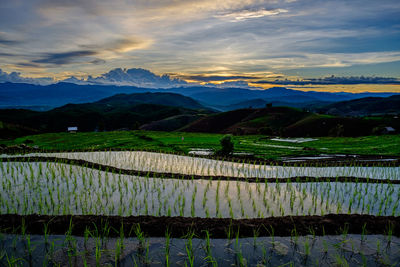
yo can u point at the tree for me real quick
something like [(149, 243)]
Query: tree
[(338, 130), (136, 125), (226, 145), (266, 131)]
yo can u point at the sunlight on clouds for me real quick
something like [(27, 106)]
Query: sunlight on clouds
[(249, 14), (308, 60), (167, 11), (34, 72), (353, 88), (194, 37), (129, 44)]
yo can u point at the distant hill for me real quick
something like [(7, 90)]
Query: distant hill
[(322, 125), (248, 121), (285, 121), (364, 106), (19, 95), (218, 123), (166, 99), (11, 130), (116, 114), (294, 102), (193, 109), (113, 113), (171, 123), (227, 96)]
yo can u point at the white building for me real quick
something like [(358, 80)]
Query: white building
[(388, 130), (72, 129)]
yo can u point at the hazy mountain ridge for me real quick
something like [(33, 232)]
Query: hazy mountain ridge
[(19, 94)]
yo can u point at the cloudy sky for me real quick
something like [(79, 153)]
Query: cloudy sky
[(193, 39)]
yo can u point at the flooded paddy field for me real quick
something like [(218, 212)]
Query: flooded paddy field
[(185, 165), (59, 214), (100, 250), (59, 189)]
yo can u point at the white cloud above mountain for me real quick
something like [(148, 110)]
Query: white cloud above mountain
[(15, 77), (49, 38), (131, 77), (123, 77)]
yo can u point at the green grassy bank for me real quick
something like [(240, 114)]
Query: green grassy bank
[(260, 146)]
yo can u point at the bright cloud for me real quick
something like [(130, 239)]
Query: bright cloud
[(250, 14), (49, 38)]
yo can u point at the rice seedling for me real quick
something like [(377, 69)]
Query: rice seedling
[(189, 249), (64, 189), (167, 247)]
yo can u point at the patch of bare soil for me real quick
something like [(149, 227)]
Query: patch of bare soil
[(331, 224)]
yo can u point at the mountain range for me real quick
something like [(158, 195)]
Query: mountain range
[(174, 112), (42, 97), (110, 102)]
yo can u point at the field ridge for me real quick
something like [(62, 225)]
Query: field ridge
[(156, 226)]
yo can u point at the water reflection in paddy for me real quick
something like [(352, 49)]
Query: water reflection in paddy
[(55, 188), (159, 162)]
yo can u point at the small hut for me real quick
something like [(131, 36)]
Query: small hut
[(388, 130), (73, 129)]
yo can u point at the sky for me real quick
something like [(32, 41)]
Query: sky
[(231, 40)]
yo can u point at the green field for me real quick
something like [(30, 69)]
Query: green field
[(260, 146)]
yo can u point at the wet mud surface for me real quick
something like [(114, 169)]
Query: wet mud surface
[(327, 160), (331, 224)]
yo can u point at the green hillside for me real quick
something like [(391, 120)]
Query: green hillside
[(364, 106), (259, 145), (113, 113), (285, 121)]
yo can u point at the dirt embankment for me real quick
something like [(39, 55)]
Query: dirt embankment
[(331, 224), (325, 160)]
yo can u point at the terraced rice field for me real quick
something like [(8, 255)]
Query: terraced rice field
[(142, 208)]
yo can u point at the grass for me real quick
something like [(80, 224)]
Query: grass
[(259, 145)]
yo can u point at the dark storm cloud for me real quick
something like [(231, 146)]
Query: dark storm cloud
[(65, 57)]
